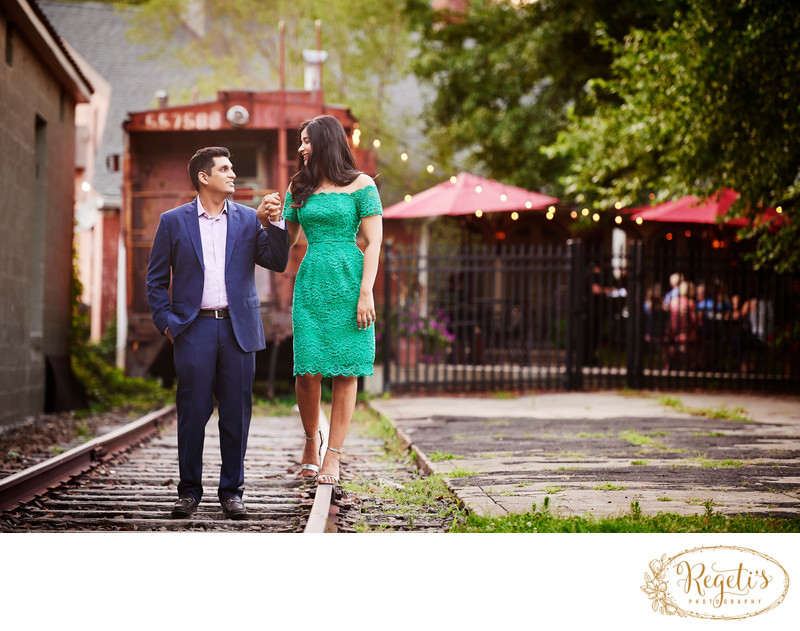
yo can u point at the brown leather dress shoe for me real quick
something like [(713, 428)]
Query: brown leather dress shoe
[(234, 508), (184, 507)]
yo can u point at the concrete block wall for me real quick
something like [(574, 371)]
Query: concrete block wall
[(36, 215)]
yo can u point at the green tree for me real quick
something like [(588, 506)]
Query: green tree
[(506, 76), (710, 103), (368, 45)]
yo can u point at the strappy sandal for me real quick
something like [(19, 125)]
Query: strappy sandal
[(312, 467), (334, 478)]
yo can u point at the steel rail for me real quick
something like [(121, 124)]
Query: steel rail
[(25, 485), (323, 511), (34, 481)]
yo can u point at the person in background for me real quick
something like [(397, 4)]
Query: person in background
[(682, 321), (674, 283)]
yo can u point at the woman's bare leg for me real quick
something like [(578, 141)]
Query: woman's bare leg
[(309, 391), (345, 390)]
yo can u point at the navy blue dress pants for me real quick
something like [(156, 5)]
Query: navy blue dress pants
[(209, 365)]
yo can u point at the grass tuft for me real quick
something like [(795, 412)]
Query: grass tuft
[(543, 521)]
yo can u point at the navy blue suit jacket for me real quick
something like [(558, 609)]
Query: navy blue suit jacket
[(177, 256)]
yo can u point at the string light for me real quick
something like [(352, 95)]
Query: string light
[(478, 188), (407, 198), (376, 143), (618, 219), (528, 205), (429, 168), (669, 236), (453, 179), (779, 210), (552, 209), (574, 214), (514, 216), (479, 213), (503, 197), (356, 136), (404, 157), (618, 205), (639, 221), (585, 212), (596, 217)]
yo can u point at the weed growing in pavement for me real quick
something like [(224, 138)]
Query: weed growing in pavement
[(697, 501), (438, 455), (544, 521), (609, 486), (717, 464), (724, 412), (639, 463), (463, 473), (591, 435), (640, 440)]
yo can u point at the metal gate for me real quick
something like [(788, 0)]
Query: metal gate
[(511, 318)]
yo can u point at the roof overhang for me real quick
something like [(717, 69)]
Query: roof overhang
[(32, 24)]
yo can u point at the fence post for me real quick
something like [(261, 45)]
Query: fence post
[(387, 311), (575, 310), (635, 363)]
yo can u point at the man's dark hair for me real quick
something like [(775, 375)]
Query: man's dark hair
[(203, 161)]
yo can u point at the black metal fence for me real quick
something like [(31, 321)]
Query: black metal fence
[(566, 317)]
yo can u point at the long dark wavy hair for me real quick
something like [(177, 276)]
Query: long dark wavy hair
[(331, 158)]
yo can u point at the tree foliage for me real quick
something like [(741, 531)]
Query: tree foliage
[(710, 103), (506, 76), (600, 102), (367, 42)]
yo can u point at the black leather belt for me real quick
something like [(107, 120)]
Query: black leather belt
[(217, 314)]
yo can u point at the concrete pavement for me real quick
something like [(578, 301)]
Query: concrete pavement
[(595, 453)]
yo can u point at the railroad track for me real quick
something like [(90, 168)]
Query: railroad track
[(126, 481)]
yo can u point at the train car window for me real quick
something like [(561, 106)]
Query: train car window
[(245, 161)]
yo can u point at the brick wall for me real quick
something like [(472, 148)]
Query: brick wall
[(36, 215)]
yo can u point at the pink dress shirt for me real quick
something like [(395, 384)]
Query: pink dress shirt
[(213, 233)]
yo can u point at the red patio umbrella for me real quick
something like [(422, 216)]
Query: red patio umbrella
[(690, 209), (465, 194)]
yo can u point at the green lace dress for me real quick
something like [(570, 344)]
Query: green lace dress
[(327, 340)]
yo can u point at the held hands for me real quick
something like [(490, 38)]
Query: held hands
[(270, 209), (366, 310)]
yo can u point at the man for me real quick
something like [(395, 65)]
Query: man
[(208, 249)]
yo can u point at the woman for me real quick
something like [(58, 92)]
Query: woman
[(333, 311)]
